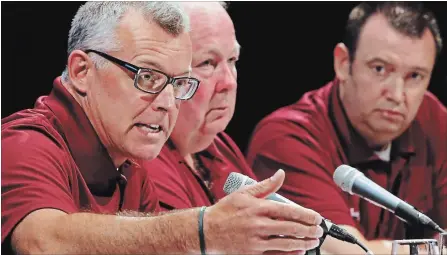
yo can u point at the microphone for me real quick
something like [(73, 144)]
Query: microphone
[(353, 181), (236, 181)]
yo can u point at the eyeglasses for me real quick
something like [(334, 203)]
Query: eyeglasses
[(154, 81)]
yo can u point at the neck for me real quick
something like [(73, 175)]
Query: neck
[(381, 147), (117, 160), (374, 140), (117, 157), (187, 145)]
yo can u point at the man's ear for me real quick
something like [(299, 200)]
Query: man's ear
[(341, 62), (79, 65)]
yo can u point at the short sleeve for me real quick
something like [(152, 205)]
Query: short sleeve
[(34, 175)]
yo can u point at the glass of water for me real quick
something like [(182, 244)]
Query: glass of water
[(442, 244), (415, 247)]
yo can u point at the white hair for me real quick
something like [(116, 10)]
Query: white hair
[(224, 4), (94, 25)]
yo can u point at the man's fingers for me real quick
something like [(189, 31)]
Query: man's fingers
[(266, 187), (296, 213), (288, 244), (269, 227)]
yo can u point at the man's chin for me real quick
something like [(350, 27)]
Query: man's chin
[(215, 127), (387, 134), (147, 153)]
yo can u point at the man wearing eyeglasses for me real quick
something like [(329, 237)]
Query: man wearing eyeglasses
[(67, 182)]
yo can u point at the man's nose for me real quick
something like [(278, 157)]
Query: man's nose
[(164, 100), (227, 78), (396, 91)]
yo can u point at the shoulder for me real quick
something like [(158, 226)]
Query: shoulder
[(431, 121), (33, 150), (32, 132), (307, 121), (431, 112), (228, 149), (310, 111)]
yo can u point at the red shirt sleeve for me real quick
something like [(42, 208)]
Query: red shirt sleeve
[(34, 175), (440, 199), (302, 151)]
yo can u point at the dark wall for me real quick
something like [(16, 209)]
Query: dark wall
[(286, 51)]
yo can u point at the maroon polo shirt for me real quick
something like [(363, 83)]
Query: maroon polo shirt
[(311, 138), (178, 186), (52, 158)]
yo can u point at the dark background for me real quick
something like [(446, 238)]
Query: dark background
[(286, 51)]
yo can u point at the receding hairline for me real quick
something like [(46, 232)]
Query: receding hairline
[(381, 16)]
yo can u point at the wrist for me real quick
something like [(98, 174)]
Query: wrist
[(201, 232)]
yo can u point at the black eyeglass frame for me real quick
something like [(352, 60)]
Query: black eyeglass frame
[(137, 70)]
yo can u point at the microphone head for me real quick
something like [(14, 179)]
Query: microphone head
[(344, 177), (236, 181)]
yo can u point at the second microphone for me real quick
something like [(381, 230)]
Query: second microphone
[(236, 181)]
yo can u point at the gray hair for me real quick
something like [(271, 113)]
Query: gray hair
[(94, 25), (224, 4)]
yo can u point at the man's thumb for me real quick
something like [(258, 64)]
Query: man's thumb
[(267, 186)]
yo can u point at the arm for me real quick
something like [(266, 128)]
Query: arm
[(39, 213), (440, 191), (432, 118), (440, 187), (240, 223), (440, 199), (50, 231)]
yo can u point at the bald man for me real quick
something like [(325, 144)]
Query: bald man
[(195, 162)]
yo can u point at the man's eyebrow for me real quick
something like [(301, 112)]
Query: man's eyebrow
[(157, 67), (388, 62), (216, 52), (421, 69), (151, 65), (378, 59)]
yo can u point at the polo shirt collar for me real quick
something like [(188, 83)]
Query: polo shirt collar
[(213, 160), (211, 152), (89, 153), (355, 145)]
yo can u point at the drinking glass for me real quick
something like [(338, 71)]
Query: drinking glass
[(415, 247), (442, 242)]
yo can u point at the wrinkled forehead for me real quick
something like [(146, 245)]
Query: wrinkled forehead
[(213, 27), (208, 16)]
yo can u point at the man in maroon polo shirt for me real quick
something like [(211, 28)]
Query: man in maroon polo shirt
[(196, 161), (376, 116), (67, 185)]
